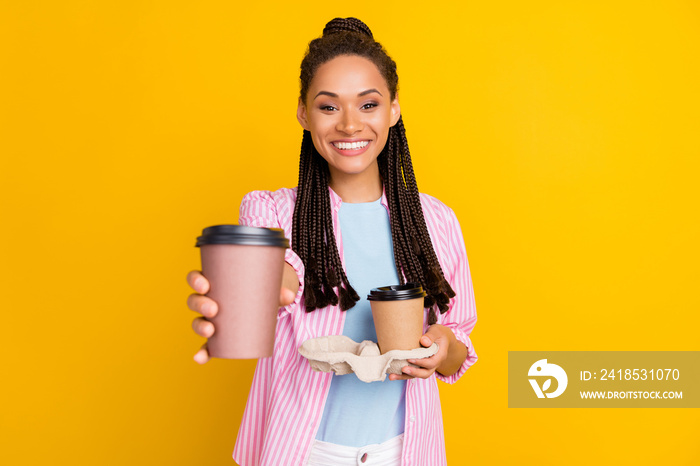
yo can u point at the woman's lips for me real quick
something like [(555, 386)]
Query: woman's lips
[(350, 148)]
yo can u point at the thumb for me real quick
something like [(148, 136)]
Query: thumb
[(286, 296), (431, 336)]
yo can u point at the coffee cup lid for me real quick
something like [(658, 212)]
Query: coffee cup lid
[(244, 235), (396, 292)]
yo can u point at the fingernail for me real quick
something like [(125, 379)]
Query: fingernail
[(198, 284), (206, 308)]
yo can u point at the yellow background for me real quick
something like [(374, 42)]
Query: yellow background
[(563, 134)]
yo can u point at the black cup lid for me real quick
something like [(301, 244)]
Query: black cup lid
[(396, 292), (239, 234)]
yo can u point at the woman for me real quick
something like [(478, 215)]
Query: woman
[(357, 221)]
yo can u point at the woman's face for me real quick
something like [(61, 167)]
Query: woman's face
[(349, 111)]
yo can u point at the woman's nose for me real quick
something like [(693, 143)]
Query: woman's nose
[(350, 122)]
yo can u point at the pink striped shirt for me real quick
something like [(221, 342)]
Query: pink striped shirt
[(287, 398)]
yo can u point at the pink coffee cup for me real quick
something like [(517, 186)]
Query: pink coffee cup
[(244, 267)]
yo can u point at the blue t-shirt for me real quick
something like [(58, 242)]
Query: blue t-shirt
[(357, 413)]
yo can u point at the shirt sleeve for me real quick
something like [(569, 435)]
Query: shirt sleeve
[(268, 210), (461, 315)]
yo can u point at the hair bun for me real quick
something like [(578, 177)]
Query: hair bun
[(346, 24)]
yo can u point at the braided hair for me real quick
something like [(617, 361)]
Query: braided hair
[(313, 238)]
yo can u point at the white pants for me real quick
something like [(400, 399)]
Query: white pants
[(331, 454)]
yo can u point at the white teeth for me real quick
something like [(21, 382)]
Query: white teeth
[(350, 145)]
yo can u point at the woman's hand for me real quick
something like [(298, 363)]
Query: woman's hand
[(208, 307), (449, 358)]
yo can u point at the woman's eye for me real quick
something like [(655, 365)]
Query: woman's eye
[(368, 106), (327, 108)]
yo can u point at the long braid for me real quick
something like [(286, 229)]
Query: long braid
[(395, 191), (387, 167), (313, 238), (429, 273)]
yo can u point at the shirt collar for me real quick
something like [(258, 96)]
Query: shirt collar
[(336, 201)]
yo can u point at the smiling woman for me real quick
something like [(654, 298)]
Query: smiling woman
[(349, 119), (345, 62), (357, 222)]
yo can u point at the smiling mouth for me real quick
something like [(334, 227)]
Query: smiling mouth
[(350, 145)]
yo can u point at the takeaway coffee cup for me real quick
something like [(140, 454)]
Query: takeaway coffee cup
[(398, 316), (244, 267)]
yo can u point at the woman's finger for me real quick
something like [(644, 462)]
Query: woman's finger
[(203, 327), (202, 356), (198, 282), (286, 296), (426, 363), (418, 372), (399, 377), (202, 304)]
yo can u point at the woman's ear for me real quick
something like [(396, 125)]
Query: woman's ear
[(395, 111), (302, 116)]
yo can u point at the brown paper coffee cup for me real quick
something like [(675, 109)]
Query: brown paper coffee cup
[(244, 267), (398, 316)]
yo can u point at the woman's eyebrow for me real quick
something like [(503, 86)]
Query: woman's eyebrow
[(361, 94), (369, 91)]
